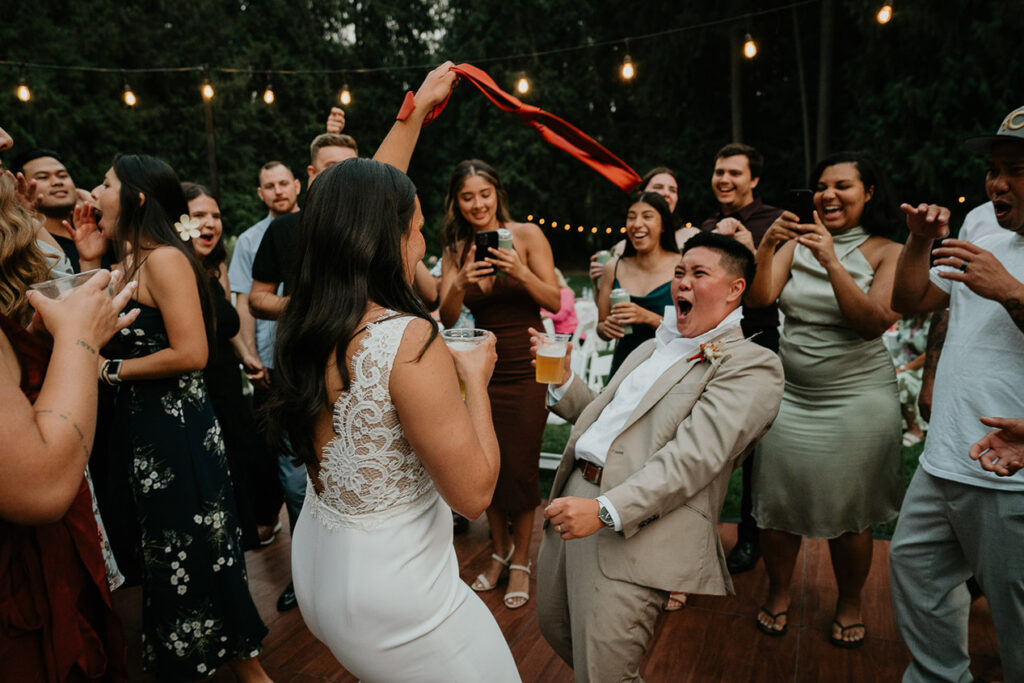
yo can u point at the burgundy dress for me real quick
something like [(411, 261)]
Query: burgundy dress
[(56, 621), (517, 399)]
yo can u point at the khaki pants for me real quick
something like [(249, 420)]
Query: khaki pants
[(948, 532), (599, 626)]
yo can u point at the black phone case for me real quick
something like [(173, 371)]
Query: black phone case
[(485, 239), (801, 202)]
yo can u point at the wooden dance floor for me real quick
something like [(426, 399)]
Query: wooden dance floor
[(711, 639)]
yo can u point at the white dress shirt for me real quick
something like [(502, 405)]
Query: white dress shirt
[(670, 347)]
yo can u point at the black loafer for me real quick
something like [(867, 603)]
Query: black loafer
[(743, 557), (287, 600)]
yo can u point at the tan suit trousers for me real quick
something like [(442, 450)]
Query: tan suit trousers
[(599, 626)]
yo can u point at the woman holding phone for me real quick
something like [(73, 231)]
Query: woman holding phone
[(505, 292), (830, 465)]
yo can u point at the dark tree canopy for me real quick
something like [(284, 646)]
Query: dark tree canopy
[(907, 92)]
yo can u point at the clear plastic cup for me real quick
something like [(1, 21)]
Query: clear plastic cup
[(60, 287), (621, 296), (551, 357), (463, 339)]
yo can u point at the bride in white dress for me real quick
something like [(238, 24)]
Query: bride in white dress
[(368, 398)]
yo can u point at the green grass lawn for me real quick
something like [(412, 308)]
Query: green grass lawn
[(556, 436)]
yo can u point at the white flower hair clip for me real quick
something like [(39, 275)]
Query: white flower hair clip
[(187, 227)]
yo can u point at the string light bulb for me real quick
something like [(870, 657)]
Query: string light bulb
[(129, 97), (345, 96), (961, 199), (23, 93), (749, 47), (523, 85), (268, 94), (884, 14), (628, 70), (207, 89)]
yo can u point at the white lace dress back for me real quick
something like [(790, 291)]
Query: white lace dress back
[(369, 475), (373, 563)]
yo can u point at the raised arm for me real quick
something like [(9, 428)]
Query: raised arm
[(773, 261), (398, 146), (913, 292), (455, 441), (45, 447)]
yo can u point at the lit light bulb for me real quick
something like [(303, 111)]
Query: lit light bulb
[(608, 231), (884, 14), (622, 230), (523, 85), (628, 69), (579, 229), (207, 91), (593, 230), (749, 47), (23, 93), (530, 218), (961, 199), (554, 224), (268, 94), (129, 96), (568, 228), (541, 221), (345, 97)]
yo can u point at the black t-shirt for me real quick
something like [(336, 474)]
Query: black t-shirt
[(71, 251), (756, 217), (278, 254)]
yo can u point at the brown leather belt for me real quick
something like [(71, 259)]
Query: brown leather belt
[(591, 472)]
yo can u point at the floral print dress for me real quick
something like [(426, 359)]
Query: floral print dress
[(197, 610)]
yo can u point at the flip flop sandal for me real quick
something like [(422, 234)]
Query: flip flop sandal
[(768, 630), (847, 644)]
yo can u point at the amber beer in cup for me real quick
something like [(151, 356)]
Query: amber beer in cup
[(621, 296), (551, 357), (463, 339)]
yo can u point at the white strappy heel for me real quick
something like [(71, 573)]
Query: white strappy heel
[(511, 598), (481, 584)]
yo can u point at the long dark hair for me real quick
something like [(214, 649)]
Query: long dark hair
[(667, 239), (882, 215), (350, 241), (152, 221), (212, 261), (456, 228)]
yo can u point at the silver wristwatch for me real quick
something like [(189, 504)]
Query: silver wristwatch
[(605, 516)]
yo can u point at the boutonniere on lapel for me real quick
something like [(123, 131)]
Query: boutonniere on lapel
[(709, 352)]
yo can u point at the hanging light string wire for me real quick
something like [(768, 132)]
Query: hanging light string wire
[(377, 69)]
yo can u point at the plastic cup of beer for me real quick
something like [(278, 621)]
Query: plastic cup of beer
[(551, 357), (60, 287), (621, 296), (463, 339)]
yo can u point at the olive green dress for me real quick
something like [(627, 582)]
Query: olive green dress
[(830, 464)]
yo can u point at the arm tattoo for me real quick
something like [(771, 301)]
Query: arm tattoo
[(1015, 307), (936, 340), (66, 418), (79, 342)]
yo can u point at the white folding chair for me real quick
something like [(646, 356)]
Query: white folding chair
[(597, 372)]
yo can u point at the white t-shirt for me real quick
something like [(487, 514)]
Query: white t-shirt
[(980, 373), (980, 221)]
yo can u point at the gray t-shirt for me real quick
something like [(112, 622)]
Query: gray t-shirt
[(240, 275)]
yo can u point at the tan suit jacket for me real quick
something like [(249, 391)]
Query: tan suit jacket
[(668, 470)]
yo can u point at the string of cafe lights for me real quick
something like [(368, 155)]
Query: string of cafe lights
[(567, 226), (627, 70)]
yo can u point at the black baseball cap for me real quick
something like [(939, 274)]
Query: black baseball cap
[(1012, 128)]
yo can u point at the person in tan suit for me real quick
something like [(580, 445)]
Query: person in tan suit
[(636, 498)]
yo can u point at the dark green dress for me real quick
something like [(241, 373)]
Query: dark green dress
[(197, 610), (654, 301)]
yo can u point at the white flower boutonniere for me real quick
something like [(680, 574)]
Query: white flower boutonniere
[(187, 227)]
